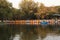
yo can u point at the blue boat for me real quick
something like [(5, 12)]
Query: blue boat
[(44, 23)]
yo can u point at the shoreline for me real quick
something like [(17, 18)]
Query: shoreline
[(31, 22)]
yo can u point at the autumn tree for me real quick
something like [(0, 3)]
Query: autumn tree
[(28, 8), (58, 8), (41, 11)]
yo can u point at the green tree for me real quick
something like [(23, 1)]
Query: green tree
[(5, 9), (16, 14)]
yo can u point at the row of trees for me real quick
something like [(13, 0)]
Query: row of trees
[(28, 10)]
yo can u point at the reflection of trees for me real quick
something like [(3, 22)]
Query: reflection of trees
[(29, 36), (29, 32), (4, 33), (41, 32)]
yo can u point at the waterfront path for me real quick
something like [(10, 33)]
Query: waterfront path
[(32, 22)]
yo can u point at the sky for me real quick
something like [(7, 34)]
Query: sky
[(48, 3)]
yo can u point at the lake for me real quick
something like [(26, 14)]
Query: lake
[(29, 32)]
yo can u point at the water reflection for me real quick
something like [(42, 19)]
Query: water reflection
[(52, 37), (28, 32)]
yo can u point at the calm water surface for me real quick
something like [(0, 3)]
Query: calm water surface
[(29, 32)]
